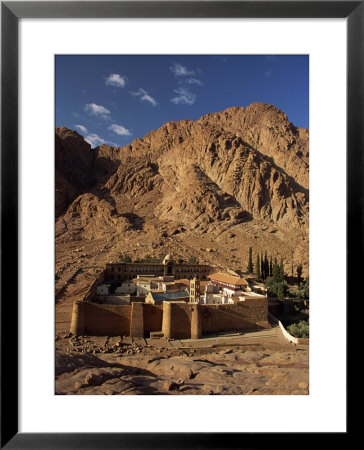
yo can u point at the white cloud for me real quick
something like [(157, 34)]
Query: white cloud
[(116, 80), (181, 71), (81, 128), (97, 110), (144, 96), (119, 129), (94, 140), (184, 97), (194, 81)]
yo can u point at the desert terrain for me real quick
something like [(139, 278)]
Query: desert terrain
[(211, 189), (256, 363)]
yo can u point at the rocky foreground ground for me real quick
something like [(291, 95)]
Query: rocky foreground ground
[(116, 366)]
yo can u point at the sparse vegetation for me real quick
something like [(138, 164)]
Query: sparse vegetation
[(277, 289), (149, 260), (303, 291), (300, 329), (276, 284), (125, 258), (193, 260)]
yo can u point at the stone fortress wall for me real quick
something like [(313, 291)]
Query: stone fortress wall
[(177, 320), (100, 320)]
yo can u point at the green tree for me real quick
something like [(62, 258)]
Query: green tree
[(193, 260), (280, 292), (271, 267), (299, 273), (125, 258), (275, 272), (250, 261), (261, 265), (306, 289), (266, 266), (257, 267), (281, 270), (276, 288)]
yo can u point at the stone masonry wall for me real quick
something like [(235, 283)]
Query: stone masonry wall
[(181, 321), (152, 316), (250, 315), (100, 320), (174, 319)]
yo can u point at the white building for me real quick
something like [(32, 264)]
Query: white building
[(145, 284), (230, 292), (127, 287)]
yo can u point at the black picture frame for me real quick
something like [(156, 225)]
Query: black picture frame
[(11, 12)]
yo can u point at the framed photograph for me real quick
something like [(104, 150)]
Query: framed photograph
[(178, 247)]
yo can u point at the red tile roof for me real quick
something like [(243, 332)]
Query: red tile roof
[(228, 279)]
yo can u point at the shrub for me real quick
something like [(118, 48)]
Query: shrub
[(300, 329), (280, 292), (193, 260), (277, 289), (125, 258)]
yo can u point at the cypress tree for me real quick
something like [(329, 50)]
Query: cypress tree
[(250, 262), (266, 266), (257, 267), (281, 270), (275, 271), (271, 267), (299, 273), (261, 265), (280, 292)]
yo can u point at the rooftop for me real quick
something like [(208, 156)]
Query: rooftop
[(169, 295), (186, 282), (228, 279)]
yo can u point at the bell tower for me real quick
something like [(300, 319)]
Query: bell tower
[(195, 291)]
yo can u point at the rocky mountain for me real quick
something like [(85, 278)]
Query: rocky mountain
[(227, 181)]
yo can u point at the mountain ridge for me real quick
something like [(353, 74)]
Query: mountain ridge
[(241, 172)]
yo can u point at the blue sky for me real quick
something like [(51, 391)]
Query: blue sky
[(114, 99)]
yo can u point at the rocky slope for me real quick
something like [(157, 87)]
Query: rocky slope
[(107, 366), (225, 182)]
